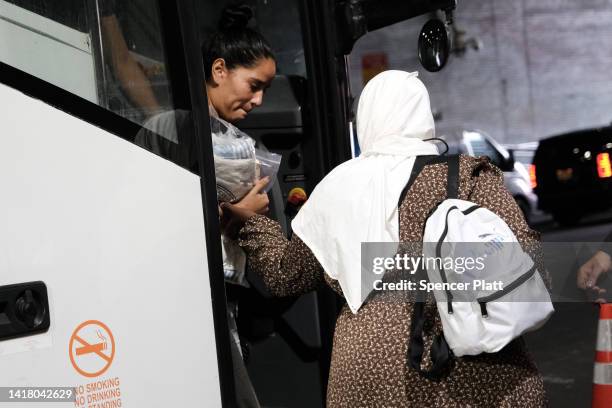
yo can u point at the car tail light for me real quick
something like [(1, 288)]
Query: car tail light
[(532, 176), (604, 169)]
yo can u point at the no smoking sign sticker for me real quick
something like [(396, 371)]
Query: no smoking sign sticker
[(92, 348)]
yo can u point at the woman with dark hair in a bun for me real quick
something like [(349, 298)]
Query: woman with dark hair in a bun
[(239, 65)]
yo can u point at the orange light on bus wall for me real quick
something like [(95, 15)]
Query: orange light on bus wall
[(604, 169), (532, 176)]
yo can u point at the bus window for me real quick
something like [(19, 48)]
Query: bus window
[(279, 22), (108, 52), (60, 11)]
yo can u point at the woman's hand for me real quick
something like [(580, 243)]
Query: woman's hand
[(235, 215), (255, 200)]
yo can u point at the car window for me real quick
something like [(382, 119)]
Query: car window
[(524, 156)]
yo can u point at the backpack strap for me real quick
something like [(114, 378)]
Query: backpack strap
[(441, 354), (442, 357), (452, 184), (419, 163)]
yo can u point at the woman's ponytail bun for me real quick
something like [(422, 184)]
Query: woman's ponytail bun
[(234, 42)]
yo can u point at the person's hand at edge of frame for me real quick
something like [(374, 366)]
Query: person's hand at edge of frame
[(590, 272)]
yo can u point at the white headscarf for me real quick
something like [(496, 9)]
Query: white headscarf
[(357, 201)]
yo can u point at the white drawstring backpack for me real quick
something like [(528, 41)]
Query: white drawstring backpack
[(489, 315)]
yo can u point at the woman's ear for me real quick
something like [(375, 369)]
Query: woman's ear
[(219, 71)]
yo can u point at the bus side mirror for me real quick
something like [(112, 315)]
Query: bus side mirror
[(434, 45)]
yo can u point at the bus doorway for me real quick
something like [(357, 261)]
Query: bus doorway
[(306, 117)]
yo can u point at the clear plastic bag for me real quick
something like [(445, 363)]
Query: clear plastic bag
[(235, 161), (238, 164), (268, 164)]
